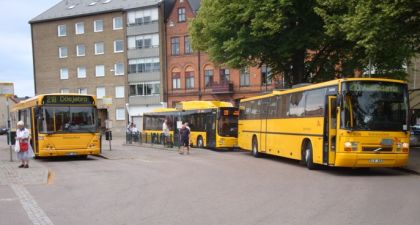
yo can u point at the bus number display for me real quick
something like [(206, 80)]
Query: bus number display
[(67, 99)]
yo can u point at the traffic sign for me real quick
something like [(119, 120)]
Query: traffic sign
[(6, 89)]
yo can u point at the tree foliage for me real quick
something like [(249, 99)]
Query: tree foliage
[(308, 40)]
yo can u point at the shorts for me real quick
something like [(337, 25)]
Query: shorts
[(185, 143)]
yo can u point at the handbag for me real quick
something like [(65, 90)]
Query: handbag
[(24, 146), (17, 146)]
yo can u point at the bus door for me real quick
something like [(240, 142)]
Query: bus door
[(210, 126), (34, 128), (330, 131), (264, 103)]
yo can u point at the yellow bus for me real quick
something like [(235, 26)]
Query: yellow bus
[(61, 124), (356, 122), (213, 124)]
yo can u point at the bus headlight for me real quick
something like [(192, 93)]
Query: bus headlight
[(350, 146), (403, 146)]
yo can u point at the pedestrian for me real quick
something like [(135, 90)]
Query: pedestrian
[(22, 146), (185, 138), (165, 131)]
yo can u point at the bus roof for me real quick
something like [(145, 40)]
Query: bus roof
[(164, 110), (37, 100), (319, 85), (188, 105)]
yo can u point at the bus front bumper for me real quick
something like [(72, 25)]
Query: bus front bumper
[(371, 160), (67, 152)]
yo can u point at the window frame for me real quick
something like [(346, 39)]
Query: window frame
[(60, 52), (62, 76), (78, 72), (118, 113), (104, 92), (95, 26), (175, 45), (115, 46), (116, 70), (96, 70), (59, 30), (119, 88), (182, 15), (96, 48), (78, 52), (114, 19), (76, 28)]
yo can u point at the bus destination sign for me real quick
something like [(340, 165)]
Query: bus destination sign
[(67, 100)]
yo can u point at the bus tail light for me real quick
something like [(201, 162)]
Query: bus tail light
[(350, 146)]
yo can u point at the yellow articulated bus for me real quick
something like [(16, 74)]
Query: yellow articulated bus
[(355, 122), (61, 124), (153, 125), (213, 124)]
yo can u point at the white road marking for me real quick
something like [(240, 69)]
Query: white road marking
[(35, 213), (7, 199)]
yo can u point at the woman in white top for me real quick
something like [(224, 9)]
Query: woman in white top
[(23, 145)]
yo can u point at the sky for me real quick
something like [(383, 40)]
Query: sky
[(15, 42)]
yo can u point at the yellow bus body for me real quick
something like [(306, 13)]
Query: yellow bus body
[(286, 137), (58, 144)]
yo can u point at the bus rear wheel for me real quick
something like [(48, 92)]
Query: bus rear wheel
[(308, 156), (255, 148), (200, 143)]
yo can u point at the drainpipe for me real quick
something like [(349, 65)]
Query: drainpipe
[(199, 76)]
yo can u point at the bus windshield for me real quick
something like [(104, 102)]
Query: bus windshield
[(68, 119), (368, 105), (228, 122)]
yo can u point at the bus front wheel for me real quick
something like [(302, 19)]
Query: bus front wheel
[(308, 156), (200, 143), (255, 148)]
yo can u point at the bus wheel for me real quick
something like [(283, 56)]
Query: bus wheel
[(308, 153), (200, 142), (255, 148)]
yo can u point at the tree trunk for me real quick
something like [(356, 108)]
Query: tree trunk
[(298, 67)]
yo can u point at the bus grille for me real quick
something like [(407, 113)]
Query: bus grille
[(380, 149)]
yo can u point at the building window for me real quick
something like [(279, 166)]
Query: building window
[(187, 45), (119, 92), (62, 52), (181, 15), (100, 92), (120, 114), (244, 77), (189, 78), (99, 70), (119, 69), (265, 75), (176, 80), (175, 46), (143, 41), (64, 73), (145, 89), (98, 25), (82, 91), (208, 76), (62, 30), (80, 50), (224, 76), (140, 17), (117, 23), (64, 91), (144, 65), (80, 28), (118, 46), (81, 72), (99, 48)]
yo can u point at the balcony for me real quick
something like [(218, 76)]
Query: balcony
[(222, 88)]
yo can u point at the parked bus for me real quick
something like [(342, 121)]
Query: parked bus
[(61, 124), (213, 124), (357, 122)]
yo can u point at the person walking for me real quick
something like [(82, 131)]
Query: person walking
[(185, 138), (22, 146), (165, 131)]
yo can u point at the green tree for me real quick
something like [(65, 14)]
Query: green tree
[(383, 32), (277, 33)]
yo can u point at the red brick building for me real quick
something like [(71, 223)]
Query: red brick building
[(190, 75)]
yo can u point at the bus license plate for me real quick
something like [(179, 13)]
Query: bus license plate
[(376, 160)]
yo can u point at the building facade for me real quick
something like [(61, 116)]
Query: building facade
[(190, 75), (107, 48)]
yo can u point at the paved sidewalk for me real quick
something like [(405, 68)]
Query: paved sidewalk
[(11, 174), (120, 150)]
